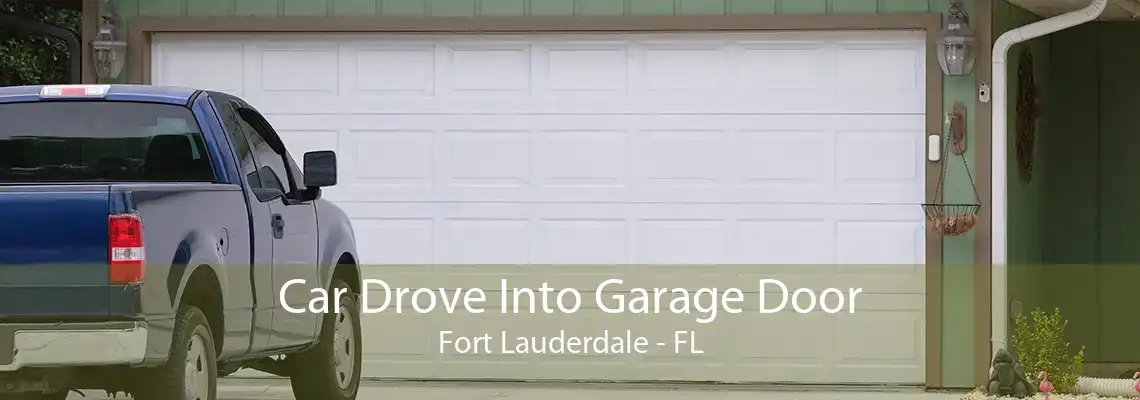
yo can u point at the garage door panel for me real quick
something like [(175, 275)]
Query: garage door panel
[(496, 74), (773, 102), (898, 328), (879, 290), (750, 342), (776, 343), (394, 69), (789, 348), (649, 241), (860, 359), (408, 160), (407, 345), (489, 69), (567, 121), (668, 160), (536, 233), (195, 63), (806, 343), (430, 208), (781, 240), (596, 186), (880, 242), (386, 159), (878, 157), (357, 79), (806, 360), (486, 188)]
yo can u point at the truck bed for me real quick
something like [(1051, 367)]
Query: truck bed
[(53, 252)]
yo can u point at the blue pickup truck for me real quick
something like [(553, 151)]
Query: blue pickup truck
[(146, 234)]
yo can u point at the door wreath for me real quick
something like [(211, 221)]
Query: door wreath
[(1027, 112)]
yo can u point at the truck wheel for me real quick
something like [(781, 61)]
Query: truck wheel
[(191, 373), (331, 369)]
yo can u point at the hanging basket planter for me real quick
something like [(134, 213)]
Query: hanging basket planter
[(952, 219)]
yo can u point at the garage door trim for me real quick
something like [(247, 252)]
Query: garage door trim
[(142, 31)]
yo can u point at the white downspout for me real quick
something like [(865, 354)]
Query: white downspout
[(999, 294)]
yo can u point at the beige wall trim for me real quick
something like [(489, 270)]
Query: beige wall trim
[(142, 31), (983, 115)]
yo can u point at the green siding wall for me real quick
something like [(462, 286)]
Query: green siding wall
[(958, 319), (1070, 195), (1090, 218), (1073, 230), (1117, 193)]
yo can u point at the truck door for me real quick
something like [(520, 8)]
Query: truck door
[(294, 226), (261, 273)]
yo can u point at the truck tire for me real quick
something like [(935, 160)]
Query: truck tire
[(331, 369), (192, 370)]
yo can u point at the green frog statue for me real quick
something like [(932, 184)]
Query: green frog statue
[(1008, 377)]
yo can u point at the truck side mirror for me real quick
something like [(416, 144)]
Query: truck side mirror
[(320, 168)]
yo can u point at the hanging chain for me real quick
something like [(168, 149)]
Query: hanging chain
[(939, 191)]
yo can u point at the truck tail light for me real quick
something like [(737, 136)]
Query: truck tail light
[(126, 253)]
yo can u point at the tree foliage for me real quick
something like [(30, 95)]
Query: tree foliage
[(29, 58)]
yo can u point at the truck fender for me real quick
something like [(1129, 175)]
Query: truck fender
[(338, 242), (194, 251)]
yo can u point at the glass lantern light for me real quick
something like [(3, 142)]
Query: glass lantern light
[(109, 50), (957, 45)]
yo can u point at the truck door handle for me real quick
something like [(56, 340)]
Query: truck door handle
[(278, 224)]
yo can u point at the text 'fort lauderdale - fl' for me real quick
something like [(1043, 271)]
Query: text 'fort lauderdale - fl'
[(611, 296)]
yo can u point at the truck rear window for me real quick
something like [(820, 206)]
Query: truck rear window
[(101, 141)]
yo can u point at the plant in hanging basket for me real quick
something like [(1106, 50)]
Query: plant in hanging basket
[(951, 219)]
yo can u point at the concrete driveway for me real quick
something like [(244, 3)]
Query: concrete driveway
[(278, 389)]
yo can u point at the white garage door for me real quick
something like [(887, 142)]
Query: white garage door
[(795, 156)]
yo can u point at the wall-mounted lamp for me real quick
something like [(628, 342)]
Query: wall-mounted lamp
[(957, 45), (109, 48)]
